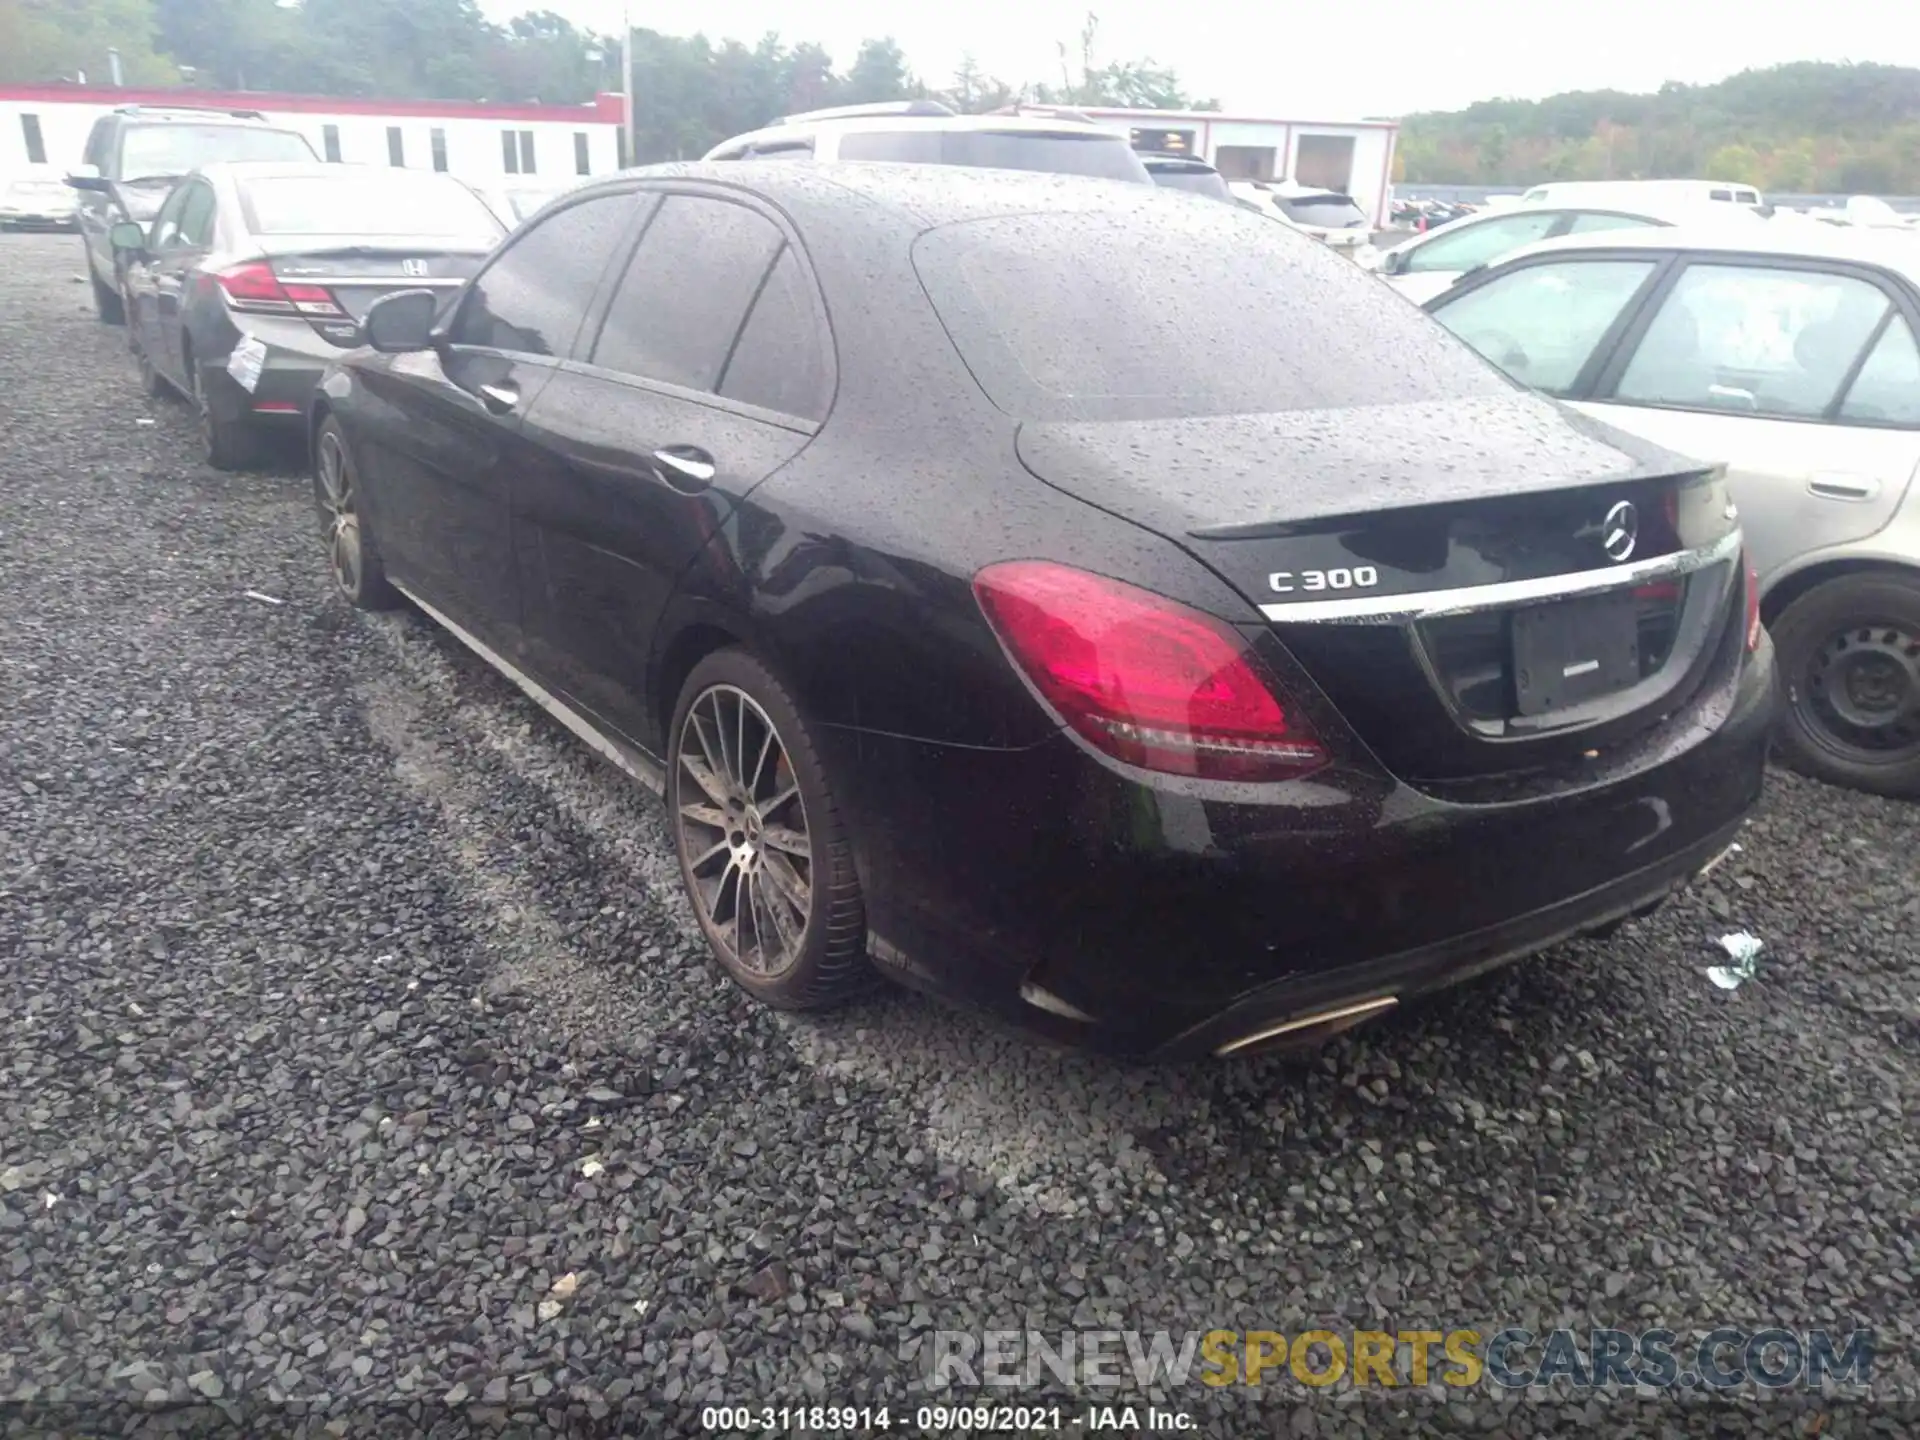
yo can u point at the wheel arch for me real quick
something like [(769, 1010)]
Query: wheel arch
[(1789, 588), (695, 636)]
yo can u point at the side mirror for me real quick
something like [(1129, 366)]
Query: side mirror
[(87, 177), (1393, 263), (401, 322), (128, 236)]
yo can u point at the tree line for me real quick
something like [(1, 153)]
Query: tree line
[(1807, 127), (690, 91)]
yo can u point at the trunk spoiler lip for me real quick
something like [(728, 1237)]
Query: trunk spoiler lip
[(1281, 529), (1465, 600)]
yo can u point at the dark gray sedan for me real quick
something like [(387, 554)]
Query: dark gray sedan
[(253, 276)]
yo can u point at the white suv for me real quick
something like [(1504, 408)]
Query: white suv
[(925, 132)]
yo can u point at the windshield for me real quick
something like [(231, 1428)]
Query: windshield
[(173, 149), (1184, 310), (1103, 155), (1200, 182), (378, 202), (1329, 212)]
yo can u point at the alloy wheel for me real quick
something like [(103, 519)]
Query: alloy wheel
[(340, 520), (742, 830), (1861, 691)]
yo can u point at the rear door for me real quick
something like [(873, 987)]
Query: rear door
[(1801, 375), (141, 276), (447, 437), (710, 369)]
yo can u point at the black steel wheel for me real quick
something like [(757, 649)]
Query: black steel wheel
[(1849, 651), (353, 558), (762, 852)]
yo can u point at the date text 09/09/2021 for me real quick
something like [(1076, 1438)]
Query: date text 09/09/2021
[(940, 1419)]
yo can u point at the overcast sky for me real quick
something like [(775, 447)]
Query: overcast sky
[(1324, 60)]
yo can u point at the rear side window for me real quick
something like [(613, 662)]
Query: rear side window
[(1178, 310), (1752, 339), (533, 296), (687, 289), (1100, 154), (780, 360), (1462, 247), (1595, 220), (1887, 391)]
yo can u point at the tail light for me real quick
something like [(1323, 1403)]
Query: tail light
[(1753, 606), (254, 287), (1143, 678)]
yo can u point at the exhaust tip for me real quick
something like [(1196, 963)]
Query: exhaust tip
[(1046, 1000), (1325, 1022)]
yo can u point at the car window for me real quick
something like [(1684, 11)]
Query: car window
[(1542, 323), (369, 202), (1476, 244), (165, 232), (175, 148), (686, 291), (1203, 310), (1197, 182), (533, 296), (1327, 212), (1753, 340), (1887, 390), (780, 360), (1594, 220), (196, 217)]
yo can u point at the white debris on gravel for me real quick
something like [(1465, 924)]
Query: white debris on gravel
[(1744, 949)]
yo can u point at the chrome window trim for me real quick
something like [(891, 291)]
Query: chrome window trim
[(1466, 599)]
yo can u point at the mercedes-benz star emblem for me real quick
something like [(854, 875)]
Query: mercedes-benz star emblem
[(1620, 532)]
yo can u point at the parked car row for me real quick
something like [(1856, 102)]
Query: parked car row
[(1172, 679)]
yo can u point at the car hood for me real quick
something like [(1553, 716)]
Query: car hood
[(1221, 476), (141, 202)]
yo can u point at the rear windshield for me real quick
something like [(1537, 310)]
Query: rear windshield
[(1329, 212), (379, 202), (1200, 182), (1179, 310), (174, 149), (1102, 155)]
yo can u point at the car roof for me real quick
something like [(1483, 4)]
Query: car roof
[(1888, 249), (928, 195), (857, 124)]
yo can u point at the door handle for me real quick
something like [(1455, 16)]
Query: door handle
[(499, 398), (685, 463), (1844, 487)]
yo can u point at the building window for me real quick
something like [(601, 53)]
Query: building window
[(330, 143), (582, 161), (36, 143), (396, 146), (1246, 162), (438, 137), (516, 151), (526, 152)]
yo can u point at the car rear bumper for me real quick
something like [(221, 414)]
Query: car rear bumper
[(283, 396), (1124, 916)]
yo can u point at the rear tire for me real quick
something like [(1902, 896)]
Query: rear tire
[(353, 556), (106, 300), (1849, 654), (228, 444), (763, 853)]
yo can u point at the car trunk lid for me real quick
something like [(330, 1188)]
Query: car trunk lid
[(1481, 588), (357, 273)]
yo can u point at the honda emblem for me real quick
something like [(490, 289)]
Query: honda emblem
[(413, 267)]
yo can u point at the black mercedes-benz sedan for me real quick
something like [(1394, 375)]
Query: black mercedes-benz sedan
[(254, 275), (1119, 613)]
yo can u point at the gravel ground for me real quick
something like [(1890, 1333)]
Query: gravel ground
[(350, 1009)]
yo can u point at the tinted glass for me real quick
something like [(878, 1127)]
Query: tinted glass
[(196, 217), (1200, 182), (780, 362), (686, 291), (1178, 310), (174, 149), (1102, 155), (534, 295), (1542, 323), (370, 203), (1887, 391), (165, 233), (1754, 340), (1464, 245)]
